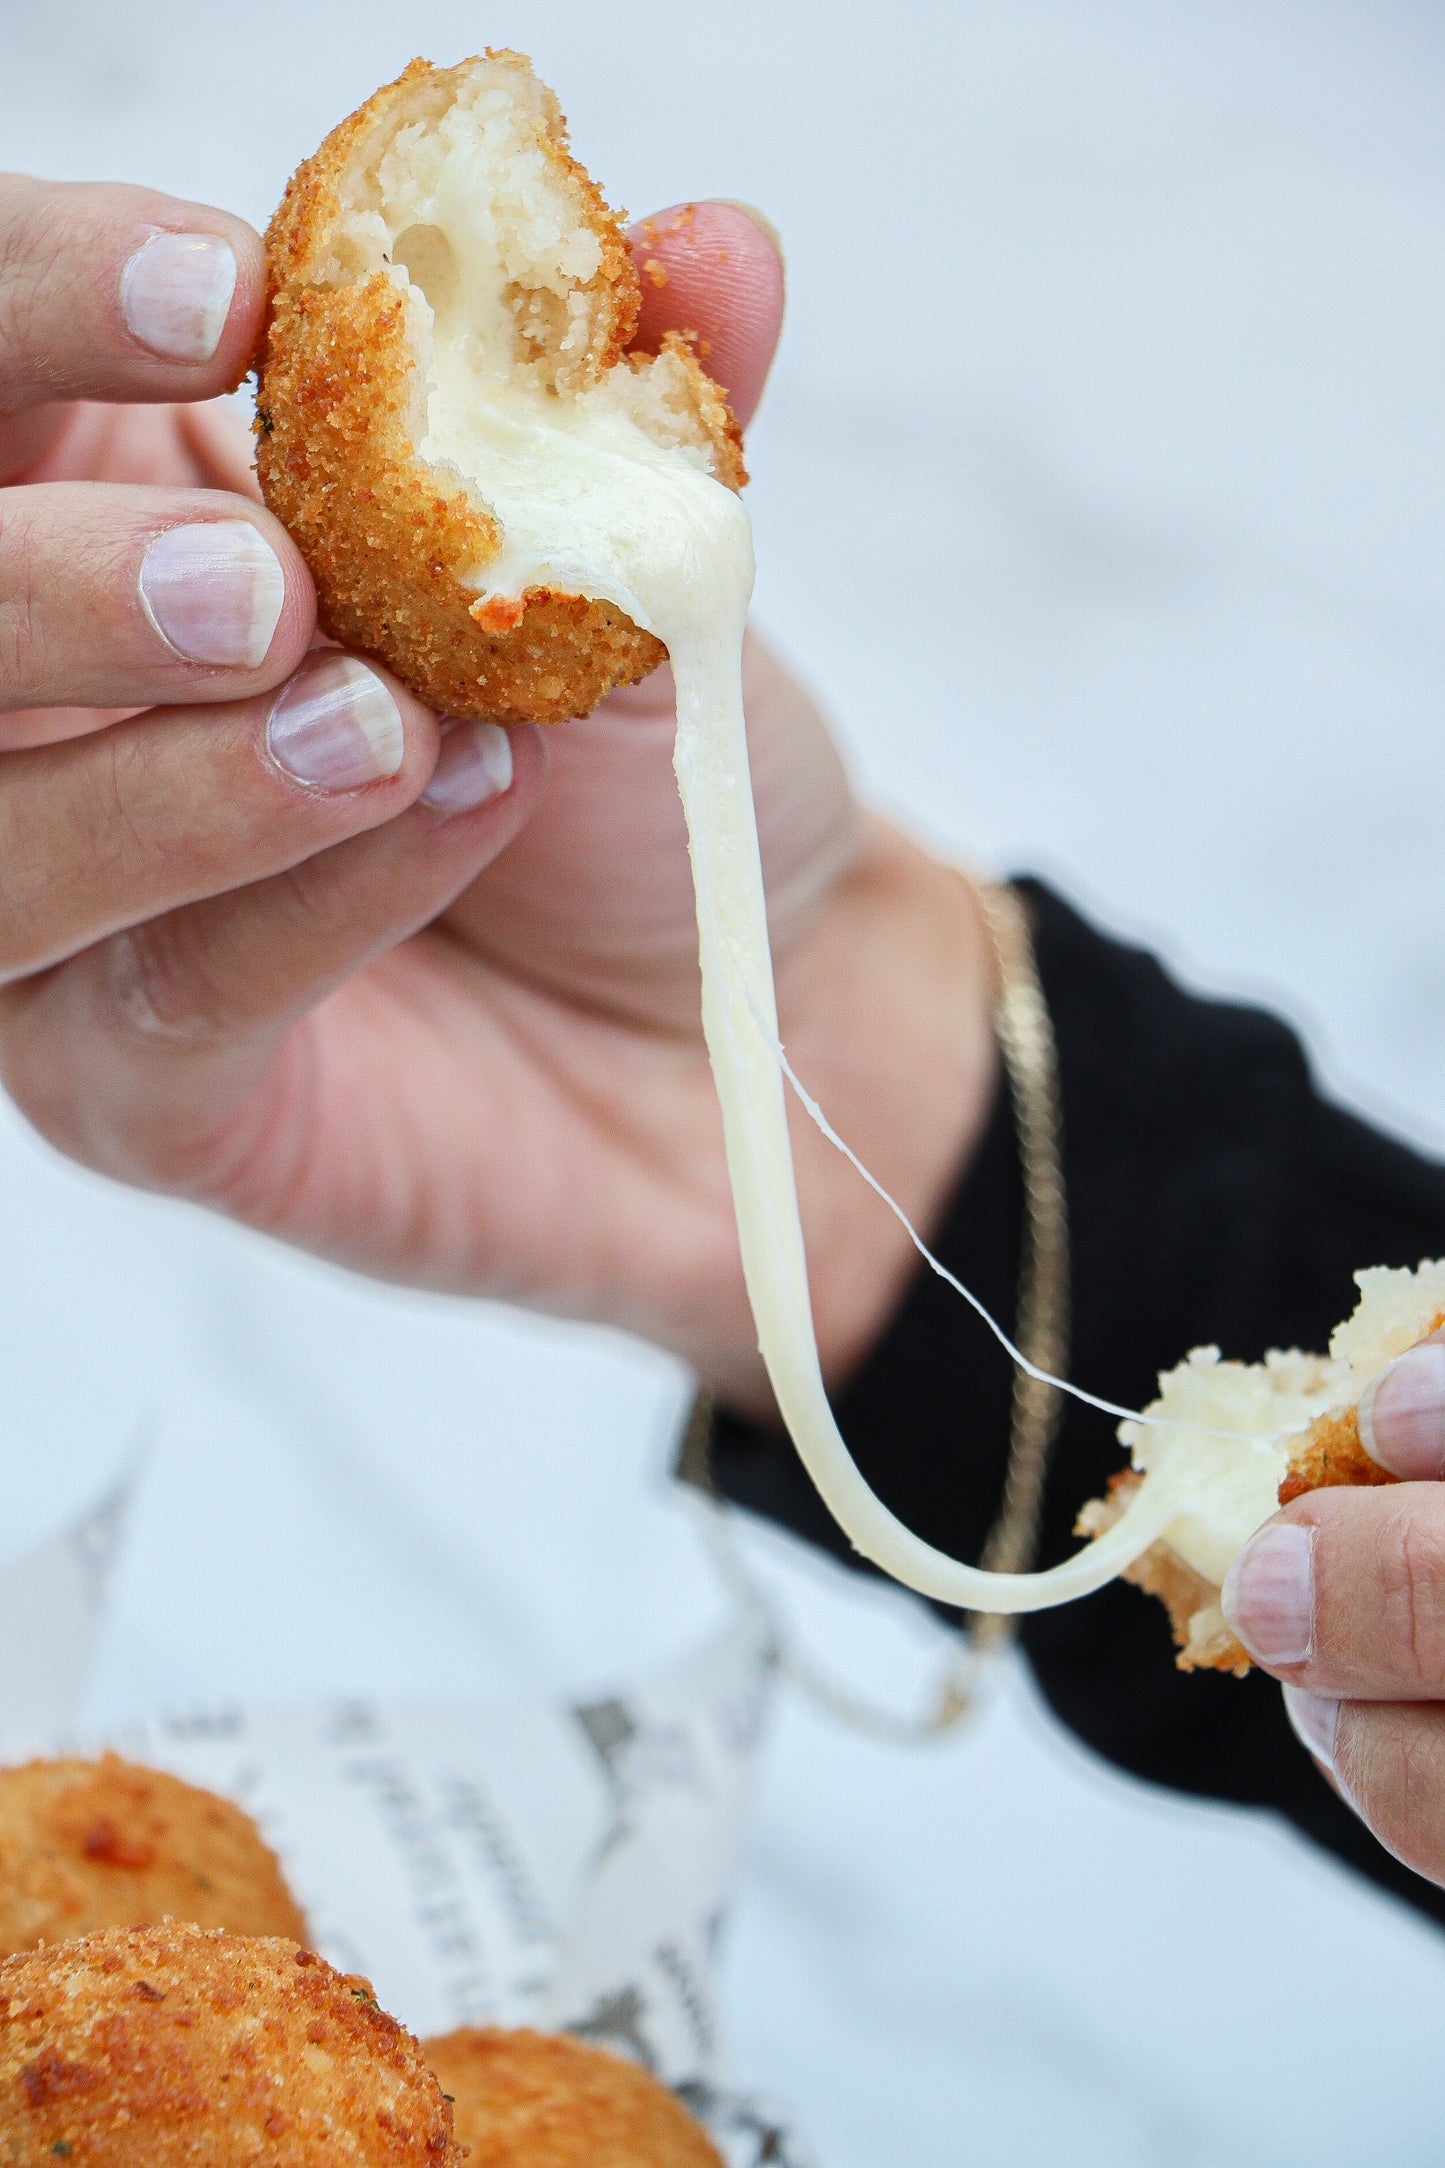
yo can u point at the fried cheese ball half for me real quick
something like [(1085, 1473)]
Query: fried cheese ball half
[(183, 2047), (1295, 1418), (544, 2100), (106, 1843), (450, 300)]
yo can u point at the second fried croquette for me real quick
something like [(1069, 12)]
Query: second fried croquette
[(543, 2100), (182, 2047), (106, 1843)]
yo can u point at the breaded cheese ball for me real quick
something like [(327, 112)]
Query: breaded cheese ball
[(443, 276), (544, 2100), (182, 2047), (88, 1844)]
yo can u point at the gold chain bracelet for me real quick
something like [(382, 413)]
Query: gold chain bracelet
[(1026, 1042)]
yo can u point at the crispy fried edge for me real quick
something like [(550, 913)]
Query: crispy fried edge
[(385, 537)]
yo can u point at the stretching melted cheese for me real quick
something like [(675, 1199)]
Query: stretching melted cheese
[(587, 501), (591, 503)]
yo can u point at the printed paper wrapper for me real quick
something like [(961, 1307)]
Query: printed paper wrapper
[(566, 1867)]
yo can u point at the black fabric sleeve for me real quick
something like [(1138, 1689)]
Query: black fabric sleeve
[(1214, 1196)]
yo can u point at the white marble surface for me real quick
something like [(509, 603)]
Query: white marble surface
[(1100, 494)]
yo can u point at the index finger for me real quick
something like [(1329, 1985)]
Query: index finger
[(119, 293)]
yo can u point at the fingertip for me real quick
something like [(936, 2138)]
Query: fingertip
[(714, 269), (341, 724), (480, 763)]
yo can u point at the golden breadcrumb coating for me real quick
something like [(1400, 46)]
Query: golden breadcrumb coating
[(88, 1844), (397, 545), (1330, 1453), (183, 2047), (543, 2100)]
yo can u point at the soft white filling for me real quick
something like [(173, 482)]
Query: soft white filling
[(1220, 1437), (589, 502)]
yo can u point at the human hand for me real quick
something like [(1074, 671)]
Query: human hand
[(331, 1008), (1342, 1598)]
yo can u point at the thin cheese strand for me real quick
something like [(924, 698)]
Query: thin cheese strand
[(740, 1023)]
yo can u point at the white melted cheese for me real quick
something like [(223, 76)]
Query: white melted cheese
[(589, 503), (1220, 1437)]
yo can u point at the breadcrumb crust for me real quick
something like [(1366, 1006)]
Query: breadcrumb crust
[(525, 2099), (1331, 1453), (182, 2047), (387, 538), (106, 1843)]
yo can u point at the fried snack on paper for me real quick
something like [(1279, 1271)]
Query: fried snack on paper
[(183, 2047), (364, 285), (106, 1843), (1318, 1443), (544, 2100)]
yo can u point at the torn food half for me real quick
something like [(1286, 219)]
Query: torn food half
[(448, 421), (1246, 1438)]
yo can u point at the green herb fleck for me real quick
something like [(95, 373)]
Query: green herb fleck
[(361, 1994), (61, 2145)]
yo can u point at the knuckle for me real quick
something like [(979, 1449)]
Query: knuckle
[(1412, 1595), (1391, 1763), (307, 893), (55, 239), (24, 662), (22, 931), (37, 252), (152, 985)]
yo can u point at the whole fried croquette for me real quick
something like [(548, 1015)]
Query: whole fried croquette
[(442, 276), (544, 2100), (1295, 1418), (88, 1844), (183, 2047)]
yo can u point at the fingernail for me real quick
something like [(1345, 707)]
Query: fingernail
[(475, 764), (214, 592), (1402, 1415), (759, 218), (1268, 1595), (335, 726), (175, 294), (1315, 1718)]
